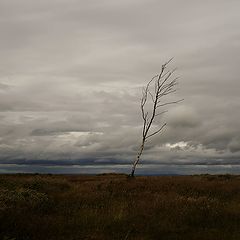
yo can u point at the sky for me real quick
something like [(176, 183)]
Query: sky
[(71, 74)]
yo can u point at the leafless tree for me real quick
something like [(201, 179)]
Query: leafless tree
[(153, 96)]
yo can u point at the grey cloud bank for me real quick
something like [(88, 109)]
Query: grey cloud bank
[(71, 74)]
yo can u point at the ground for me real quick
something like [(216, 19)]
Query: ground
[(115, 207)]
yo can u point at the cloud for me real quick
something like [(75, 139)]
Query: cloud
[(71, 74), (234, 145), (183, 117)]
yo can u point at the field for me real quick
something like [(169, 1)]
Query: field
[(116, 207)]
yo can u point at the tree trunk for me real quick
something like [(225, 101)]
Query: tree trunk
[(138, 158)]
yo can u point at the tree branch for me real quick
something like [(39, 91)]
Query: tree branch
[(159, 130), (174, 102)]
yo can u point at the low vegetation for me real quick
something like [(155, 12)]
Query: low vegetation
[(116, 207)]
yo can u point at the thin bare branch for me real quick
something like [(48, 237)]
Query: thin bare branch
[(174, 102), (151, 95), (166, 73), (159, 130), (161, 113), (164, 81), (168, 92), (156, 76), (166, 63)]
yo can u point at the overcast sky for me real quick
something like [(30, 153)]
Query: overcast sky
[(71, 73)]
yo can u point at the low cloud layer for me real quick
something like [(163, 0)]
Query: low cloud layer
[(71, 74)]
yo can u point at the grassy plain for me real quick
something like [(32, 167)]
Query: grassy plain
[(115, 207)]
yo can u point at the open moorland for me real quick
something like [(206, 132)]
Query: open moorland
[(116, 207)]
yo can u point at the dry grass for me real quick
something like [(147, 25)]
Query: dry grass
[(116, 207)]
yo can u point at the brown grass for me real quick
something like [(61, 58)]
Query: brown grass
[(115, 207)]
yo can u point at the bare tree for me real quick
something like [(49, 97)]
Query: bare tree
[(153, 97)]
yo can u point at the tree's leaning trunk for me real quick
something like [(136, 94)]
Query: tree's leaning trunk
[(137, 158)]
